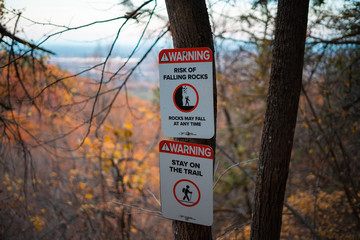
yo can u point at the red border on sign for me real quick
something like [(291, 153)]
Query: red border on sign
[(201, 54), (192, 149), (186, 180), (197, 98)]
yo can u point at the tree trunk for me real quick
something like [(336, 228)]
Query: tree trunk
[(190, 27), (280, 118)]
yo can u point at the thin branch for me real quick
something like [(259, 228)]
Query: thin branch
[(129, 75), (127, 17), (142, 210), (295, 212), (6, 33), (102, 78)]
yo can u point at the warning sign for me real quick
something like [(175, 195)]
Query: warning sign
[(186, 176), (186, 92)]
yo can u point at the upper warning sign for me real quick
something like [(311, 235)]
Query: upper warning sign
[(186, 92)]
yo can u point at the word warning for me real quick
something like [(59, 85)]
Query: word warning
[(186, 92), (186, 176)]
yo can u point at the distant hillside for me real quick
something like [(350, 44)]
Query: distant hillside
[(78, 58)]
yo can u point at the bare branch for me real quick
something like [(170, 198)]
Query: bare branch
[(295, 212), (6, 33)]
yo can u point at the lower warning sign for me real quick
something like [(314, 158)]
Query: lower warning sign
[(186, 180)]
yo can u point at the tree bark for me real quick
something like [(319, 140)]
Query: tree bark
[(280, 118), (190, 27)]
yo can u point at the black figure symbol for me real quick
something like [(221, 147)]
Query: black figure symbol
[(181, 98), (187, 101), (186, 191)]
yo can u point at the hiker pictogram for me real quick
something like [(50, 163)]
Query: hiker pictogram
[(186, 192)]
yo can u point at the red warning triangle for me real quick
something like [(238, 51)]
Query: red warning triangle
[(164, 58), (165, 148)]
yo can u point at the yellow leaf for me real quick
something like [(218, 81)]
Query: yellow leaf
[(67, 98), (127, 134), (67, 119), (126, 179), (87, 141), (81, 185), (37, 222), (354, 128), (117, 132), (107, 128), (128, 125), (128, 147), (88, 195), (117, 154), (7, 179), (109, 162), (310, 177), (107, 139), (73, 172)]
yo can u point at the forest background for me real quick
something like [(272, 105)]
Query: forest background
[(78, 149)]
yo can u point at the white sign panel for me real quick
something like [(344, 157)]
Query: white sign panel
[(186, 182), (186, 92)]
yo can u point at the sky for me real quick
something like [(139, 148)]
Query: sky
[(78, 12), (71, 13)]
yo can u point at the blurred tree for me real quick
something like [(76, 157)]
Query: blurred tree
[(280, 118)]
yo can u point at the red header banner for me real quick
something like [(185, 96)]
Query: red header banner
[(189, 149), (185, 55)]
